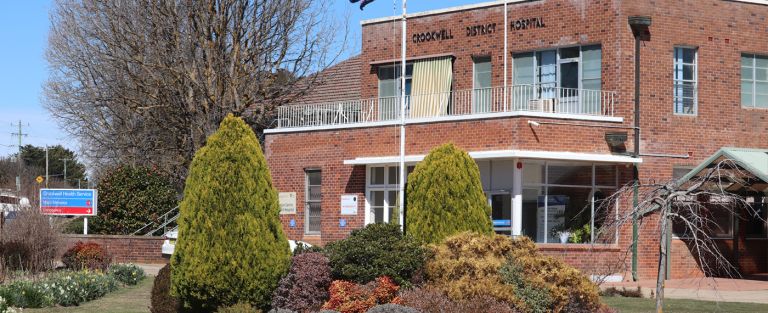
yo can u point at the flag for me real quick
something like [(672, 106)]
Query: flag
[(363, 3)]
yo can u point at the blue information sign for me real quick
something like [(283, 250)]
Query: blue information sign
[(68, 201)]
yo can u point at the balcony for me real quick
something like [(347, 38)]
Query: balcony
[(474, 103)]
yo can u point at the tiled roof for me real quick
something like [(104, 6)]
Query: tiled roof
[(336, 83)]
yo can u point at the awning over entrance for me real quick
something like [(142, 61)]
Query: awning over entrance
[(752, 167), (499, 154)]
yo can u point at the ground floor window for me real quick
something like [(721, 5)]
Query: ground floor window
[(313, 200), (565, 202), (382, 194), (756, 225), (557, 198), (714, 218)]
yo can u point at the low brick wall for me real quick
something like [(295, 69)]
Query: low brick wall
[(589, 259), (135, 249)]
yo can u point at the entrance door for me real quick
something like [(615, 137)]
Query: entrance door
[(501, 212)]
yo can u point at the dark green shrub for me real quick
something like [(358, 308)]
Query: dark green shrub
[(373, 251), (129, 198), (231, 246), (162, 300), (305, 288), (129, 274), (445, 196), (89, 255)]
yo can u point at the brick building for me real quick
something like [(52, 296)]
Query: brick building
[(552, 138)]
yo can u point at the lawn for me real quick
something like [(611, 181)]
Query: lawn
[(133, 299), (631, 305)]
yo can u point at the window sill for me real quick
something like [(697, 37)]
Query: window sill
[(578, 247)]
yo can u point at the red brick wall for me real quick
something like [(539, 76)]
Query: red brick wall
[(123, 249), (721, 30)]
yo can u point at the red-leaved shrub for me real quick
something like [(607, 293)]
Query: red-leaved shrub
[(86, 256), (305, 288), (348, 297)]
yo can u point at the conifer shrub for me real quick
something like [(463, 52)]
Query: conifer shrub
[(510, 270), (445, 196), (349, 297), (231, 246), (374, 251), (162, 300), (305, 287)]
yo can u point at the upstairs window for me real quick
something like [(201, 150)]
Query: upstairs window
[(685, 81), (754, 81), (565, 80), (390, 86), (481, 80)]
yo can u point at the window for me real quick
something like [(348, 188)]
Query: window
[(754, 81), (481, 95), (715, 219), (685, 81), (383, 194), (756, 225), (389, 89), (680, 171), (565, 80), (313, 200), (568, 198)]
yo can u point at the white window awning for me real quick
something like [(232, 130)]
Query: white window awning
[(506, 154)]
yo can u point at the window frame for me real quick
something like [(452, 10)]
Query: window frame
[(593, 187), (385, 188), (307, 200), (695, 80), (486, 91), (753, 57)]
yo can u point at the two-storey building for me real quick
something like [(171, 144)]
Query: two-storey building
[(551, 122)]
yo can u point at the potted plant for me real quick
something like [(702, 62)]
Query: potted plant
[(564, 235)]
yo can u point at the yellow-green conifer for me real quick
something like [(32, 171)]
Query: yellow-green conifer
[(231, 246), (445, 196)]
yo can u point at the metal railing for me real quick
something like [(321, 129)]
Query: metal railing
[(160, 223), (532, 98)]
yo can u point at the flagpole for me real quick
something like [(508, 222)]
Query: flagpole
[(505, 55), (401, 185)]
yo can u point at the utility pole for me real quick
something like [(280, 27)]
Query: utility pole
[(20, 134), (46, 166), (65, 168)]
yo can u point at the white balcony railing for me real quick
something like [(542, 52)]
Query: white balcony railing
[(531, 98)]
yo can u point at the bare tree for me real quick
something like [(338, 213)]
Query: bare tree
[(690, 205), (145, 82)]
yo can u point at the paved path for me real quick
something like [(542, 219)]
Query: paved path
[(709, 289), (151, 269)]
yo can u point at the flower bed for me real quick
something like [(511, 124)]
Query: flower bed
[(67, 288)]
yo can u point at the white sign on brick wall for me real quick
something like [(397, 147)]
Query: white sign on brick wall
[(349, 204), (287, 202)]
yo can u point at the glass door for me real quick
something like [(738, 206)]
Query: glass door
[(569, 80), (501, 212)]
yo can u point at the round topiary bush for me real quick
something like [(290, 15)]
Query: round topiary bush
[(374, 251), (445, 196), (129, 198), (305, 288), (162, 300), (231, 246)]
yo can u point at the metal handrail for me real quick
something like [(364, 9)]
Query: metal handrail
[(537, 98), (165, 221)]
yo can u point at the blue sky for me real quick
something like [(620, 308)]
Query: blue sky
[(23, 68)]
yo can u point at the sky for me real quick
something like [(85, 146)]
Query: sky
[(23, 68)]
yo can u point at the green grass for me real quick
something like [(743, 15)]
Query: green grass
[(132, 299), (631, 305)]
